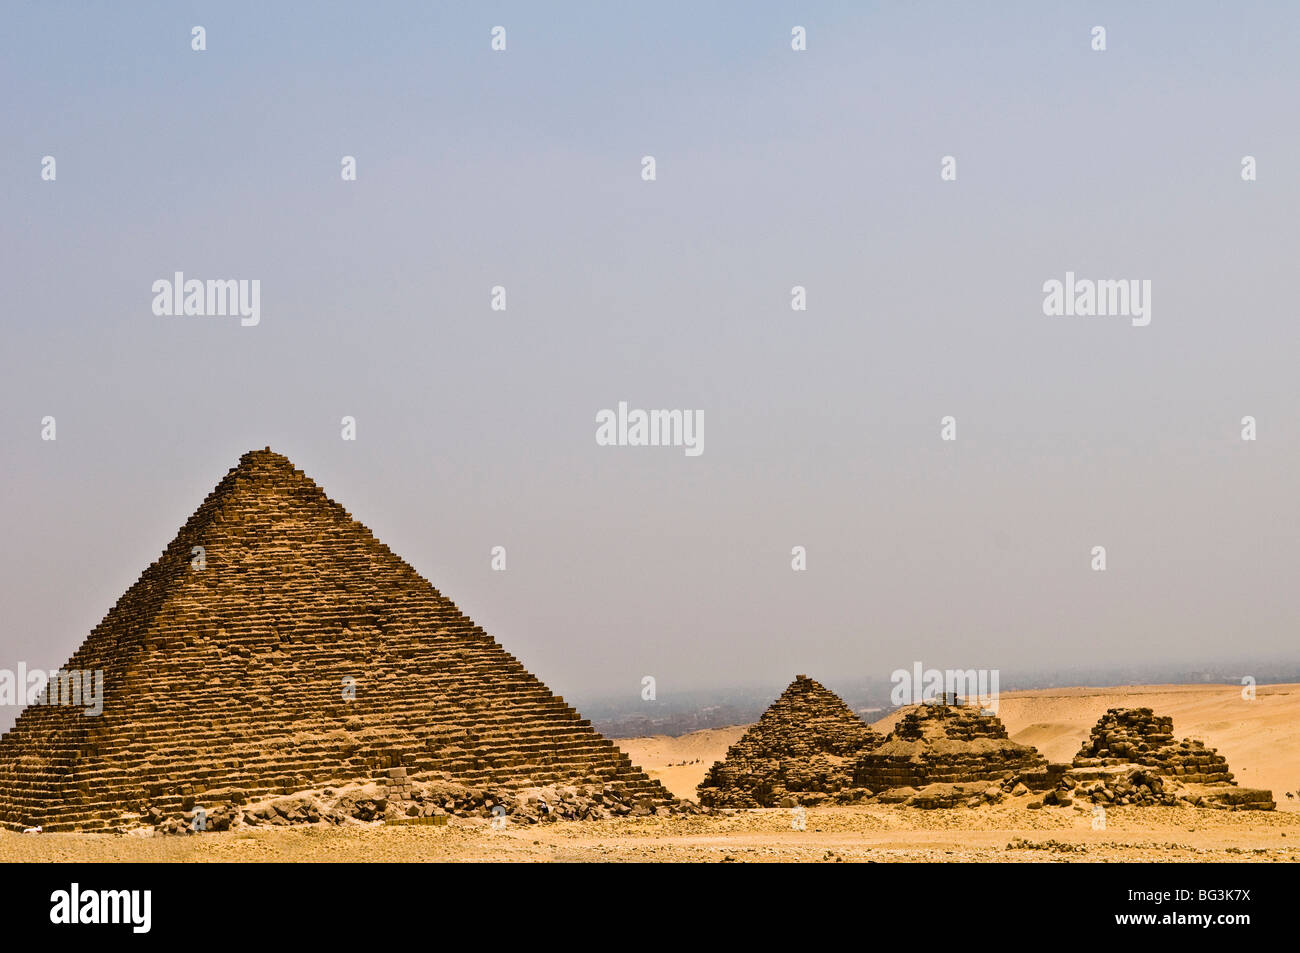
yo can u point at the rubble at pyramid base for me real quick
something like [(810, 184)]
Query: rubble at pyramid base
[(398, 798), (1128, 784), (811, 785), (355, 797), (902, 763), (1131, 757)]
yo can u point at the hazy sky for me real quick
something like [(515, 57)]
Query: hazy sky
[(775, 168)]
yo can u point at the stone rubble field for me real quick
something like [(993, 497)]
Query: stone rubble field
[(1007, 832)]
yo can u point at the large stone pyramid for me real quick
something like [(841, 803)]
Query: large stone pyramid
[(945, 744), (801, 750), (226, 684)]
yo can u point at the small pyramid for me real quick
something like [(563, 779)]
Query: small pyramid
[(295, 652), (1132, 751), (945, 744), (801, 748), (1128, 736)]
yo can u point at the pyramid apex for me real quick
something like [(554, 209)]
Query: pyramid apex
[(265, 455)]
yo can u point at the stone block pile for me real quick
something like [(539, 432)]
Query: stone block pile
[(1131, 757), (801, 751), (938, 743)]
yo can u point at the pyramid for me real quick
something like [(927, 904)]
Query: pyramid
[(945, 744), (1139, 736), (1131, 756), (227, 684), (802, 748)]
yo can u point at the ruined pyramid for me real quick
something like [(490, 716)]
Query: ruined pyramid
[(227, 670), (945, 744), (1131, 756), (801, 750)]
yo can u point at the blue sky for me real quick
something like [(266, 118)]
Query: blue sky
[(775, 168)]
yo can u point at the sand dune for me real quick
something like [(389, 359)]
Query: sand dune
[(662, 757), (1260, 738)]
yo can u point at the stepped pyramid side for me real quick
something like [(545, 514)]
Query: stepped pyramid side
[(945, 744), (226, 684), (1139, 736), (1131, 755), (801, 748)]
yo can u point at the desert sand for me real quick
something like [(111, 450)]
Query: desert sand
[(1007, 832)]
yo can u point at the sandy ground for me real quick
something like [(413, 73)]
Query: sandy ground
[(1007, 832)]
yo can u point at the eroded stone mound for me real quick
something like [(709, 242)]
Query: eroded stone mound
[(800, 751), (399, 799), (1130, 757), (1138, 736), (946, 744), (277, 647)]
